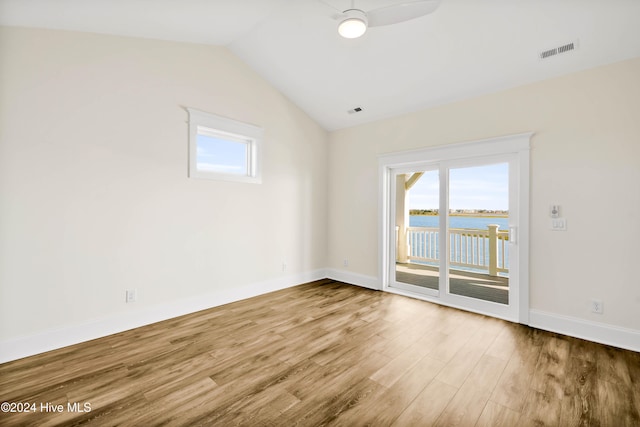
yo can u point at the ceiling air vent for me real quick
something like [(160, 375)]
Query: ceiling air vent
[(354, 110), (559, 50)]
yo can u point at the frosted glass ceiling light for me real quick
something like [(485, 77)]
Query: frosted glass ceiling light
[(353, 25)]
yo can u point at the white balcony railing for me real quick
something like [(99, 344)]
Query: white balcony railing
[(485, 250)]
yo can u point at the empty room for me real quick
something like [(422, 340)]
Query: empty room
[(320, 212)]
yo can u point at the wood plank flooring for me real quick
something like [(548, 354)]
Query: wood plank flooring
[(328, 354)]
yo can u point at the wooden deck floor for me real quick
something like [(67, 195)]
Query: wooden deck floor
[(327, 353), (475, 285)]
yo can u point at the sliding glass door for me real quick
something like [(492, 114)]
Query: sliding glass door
[(452, 232)]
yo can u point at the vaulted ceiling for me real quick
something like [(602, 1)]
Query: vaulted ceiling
[(464, 49)]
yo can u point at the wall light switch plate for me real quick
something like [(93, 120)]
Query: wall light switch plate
[(559, 224)]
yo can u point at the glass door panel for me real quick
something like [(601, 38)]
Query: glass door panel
[(478, 232), (417, 224)]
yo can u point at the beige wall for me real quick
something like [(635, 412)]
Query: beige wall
[(585, 156), (95, 199), (94, 194)]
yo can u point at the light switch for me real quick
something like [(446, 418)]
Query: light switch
[(559, 224)]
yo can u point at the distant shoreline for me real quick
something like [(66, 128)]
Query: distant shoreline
[(475, 215)]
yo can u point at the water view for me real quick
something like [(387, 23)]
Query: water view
[(477, 222)]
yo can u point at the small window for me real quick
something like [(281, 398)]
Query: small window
[(221, 148)]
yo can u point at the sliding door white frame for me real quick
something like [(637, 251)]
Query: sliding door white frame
[(514, 146)]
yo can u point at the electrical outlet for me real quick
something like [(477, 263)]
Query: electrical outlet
[(284, 267), (345, 263), (596, 306), (132, 295)]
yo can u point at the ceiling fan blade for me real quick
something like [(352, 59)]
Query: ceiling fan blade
[(401, 12), (338, 16), (330, 5)]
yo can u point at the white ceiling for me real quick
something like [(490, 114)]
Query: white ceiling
[(464, 49)]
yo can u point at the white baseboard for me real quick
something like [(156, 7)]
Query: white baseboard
[(353, 278), (592, 331), (52, 339)]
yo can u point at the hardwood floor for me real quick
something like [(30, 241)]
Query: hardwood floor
[(327, 353)]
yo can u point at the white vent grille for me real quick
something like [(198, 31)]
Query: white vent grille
[(559, 50)]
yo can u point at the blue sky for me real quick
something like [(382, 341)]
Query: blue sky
[(220, 155), (480, 187)]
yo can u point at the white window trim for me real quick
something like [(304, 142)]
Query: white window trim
[(236, 131)]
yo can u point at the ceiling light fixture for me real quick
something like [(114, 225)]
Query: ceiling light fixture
[(353, 25)]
